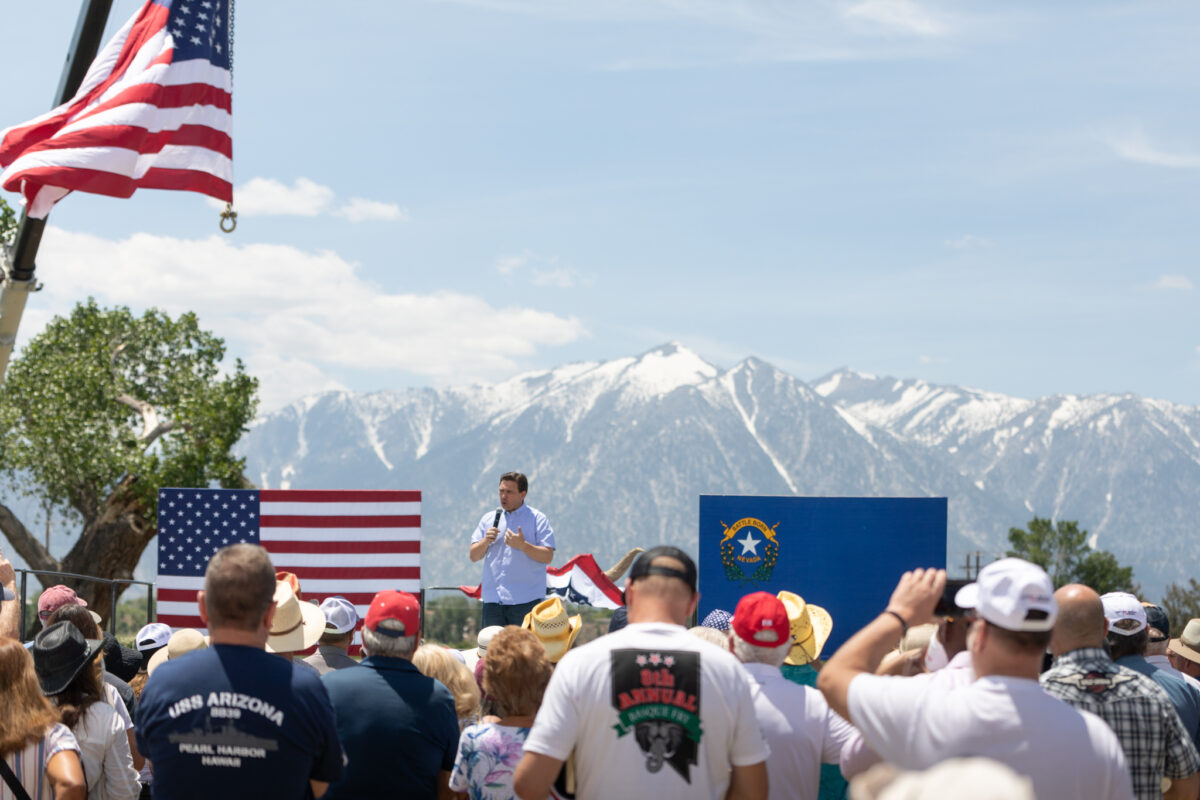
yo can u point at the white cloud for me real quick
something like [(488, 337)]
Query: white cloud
[(765, 30), (543, 270), (269, 197), (933, 359), (282, 379), (1172, 282), (507, 265), (969, 241), (900, 16), (359, 209), (300, 319), (264, 197), (1135, 145), (562, 278)]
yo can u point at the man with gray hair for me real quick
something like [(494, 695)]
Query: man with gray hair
[(398, 728), (797, 723)]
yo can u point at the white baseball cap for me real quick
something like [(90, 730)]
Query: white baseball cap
[(153, 636), (1006, 591), (340, 614), (1121, 606)]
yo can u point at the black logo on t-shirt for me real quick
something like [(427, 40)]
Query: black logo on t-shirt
[(657, 695)]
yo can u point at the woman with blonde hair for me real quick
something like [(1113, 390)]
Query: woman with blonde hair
[(69, 668), (36, 750), (440, 663), (515, 673)]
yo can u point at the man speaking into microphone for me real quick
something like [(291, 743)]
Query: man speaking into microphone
[(516, 543)]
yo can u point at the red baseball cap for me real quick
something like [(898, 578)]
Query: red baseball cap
[(56, 597), (399, 606), (760, 619)]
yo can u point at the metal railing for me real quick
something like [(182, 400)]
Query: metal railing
[(424, 597), (112, 583)]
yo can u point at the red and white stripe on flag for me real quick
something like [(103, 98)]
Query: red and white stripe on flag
[(579, 581), (154, 111), (348, 543)]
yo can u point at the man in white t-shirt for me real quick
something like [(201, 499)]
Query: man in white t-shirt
[(649, 711), (799, 727), (948, 659), (1004, 714)]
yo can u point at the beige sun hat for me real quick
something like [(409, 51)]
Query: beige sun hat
[(296, 625), (811, 626), (549, 622), (182, 642), (1188, 644)]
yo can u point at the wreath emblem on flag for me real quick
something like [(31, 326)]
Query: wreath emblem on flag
[(750, 558)]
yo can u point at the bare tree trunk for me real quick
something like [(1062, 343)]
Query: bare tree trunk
[(108, 547), (25, 543)]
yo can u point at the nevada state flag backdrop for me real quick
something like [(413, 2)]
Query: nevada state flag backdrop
[(348, 543)]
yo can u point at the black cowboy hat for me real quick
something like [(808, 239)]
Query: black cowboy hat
[(59, 653)]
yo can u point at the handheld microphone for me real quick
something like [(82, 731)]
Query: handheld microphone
[(496, 519)]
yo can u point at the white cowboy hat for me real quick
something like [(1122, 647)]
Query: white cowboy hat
[(182, 642), (296, 625)]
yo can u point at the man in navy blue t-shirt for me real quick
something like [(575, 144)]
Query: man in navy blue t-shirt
[(234, 721), (398, 727)]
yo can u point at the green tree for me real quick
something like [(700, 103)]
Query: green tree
[(100, 410), (1181, 603), (8, 223), (1062, 550)]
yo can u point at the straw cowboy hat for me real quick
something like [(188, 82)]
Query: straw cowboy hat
[(549, 622), (811, 626), (1188, 644), (182, 642), (296, 625)]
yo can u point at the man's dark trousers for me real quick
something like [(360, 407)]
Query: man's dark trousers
[(498, 614)]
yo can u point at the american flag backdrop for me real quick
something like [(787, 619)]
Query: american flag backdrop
[(348, 543), (154, 111)]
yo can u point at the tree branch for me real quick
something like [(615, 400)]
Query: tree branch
[(25, 543), (152, 427)]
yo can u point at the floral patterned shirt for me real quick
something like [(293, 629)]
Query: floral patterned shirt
[(487, 757)]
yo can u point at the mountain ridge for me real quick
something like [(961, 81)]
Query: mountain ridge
[(639, 438)]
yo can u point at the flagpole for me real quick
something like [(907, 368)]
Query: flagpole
[(19, 262)]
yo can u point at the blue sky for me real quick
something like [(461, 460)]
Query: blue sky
[(1001, 195)]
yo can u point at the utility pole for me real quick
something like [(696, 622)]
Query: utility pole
[(18, 263)]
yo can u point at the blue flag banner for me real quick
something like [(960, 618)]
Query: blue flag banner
[(843, 554)]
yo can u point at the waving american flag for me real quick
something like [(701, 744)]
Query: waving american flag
[(154, 111)]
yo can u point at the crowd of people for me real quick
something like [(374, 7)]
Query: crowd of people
[(997, 688)]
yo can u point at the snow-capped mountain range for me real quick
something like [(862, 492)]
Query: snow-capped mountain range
[(618, 452)]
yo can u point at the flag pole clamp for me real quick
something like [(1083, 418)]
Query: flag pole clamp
[(228, 216)]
